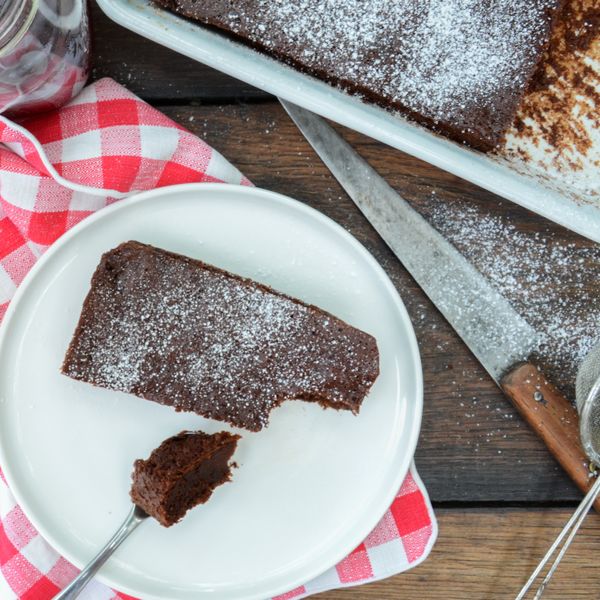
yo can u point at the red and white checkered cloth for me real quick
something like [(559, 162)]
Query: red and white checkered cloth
[(57, 168)]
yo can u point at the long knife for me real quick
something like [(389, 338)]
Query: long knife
[(497, 335)]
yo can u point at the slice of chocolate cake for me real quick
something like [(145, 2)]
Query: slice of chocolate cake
[(459, 67), (183, 333), (182, 473)]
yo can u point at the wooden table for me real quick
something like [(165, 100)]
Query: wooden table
[(500, 499)]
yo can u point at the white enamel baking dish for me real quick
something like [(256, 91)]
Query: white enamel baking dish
[(237, 60)]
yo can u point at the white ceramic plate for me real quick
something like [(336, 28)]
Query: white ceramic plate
[(309, 488), (550, 196)]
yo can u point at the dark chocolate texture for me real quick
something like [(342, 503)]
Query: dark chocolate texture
[(459, 67), (182, 473), (186, 334)]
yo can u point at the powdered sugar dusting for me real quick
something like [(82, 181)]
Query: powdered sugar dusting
[(552, 284), (460, 61), (556, 135), (201, 340)]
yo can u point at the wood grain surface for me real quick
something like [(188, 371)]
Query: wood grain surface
[(483, 554), (499, 495)]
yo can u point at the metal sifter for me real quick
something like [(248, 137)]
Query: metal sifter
[(587, 390)]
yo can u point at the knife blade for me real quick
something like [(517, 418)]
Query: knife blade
[(497, 335)]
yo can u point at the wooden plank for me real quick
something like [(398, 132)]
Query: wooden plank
[(156, 73), (473, 446), (489, 554)]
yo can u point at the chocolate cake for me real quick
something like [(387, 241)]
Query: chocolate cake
[(457, 66), (183, 333), (182, 473)]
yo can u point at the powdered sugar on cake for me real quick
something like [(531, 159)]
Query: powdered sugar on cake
[(204, 341), (446, 60), (556, 135)]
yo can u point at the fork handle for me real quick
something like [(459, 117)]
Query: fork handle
[(553, 418), (134, 518)]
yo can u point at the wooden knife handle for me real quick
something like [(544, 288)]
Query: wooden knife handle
[(552, 417)]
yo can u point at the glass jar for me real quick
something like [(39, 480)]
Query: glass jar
[(44, 53)]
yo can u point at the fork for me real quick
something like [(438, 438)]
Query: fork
[(134, 518)]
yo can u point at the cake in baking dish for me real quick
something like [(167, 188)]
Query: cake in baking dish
[(186, 334), (459, 67)]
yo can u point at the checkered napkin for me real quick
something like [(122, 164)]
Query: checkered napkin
[(56, 169)]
